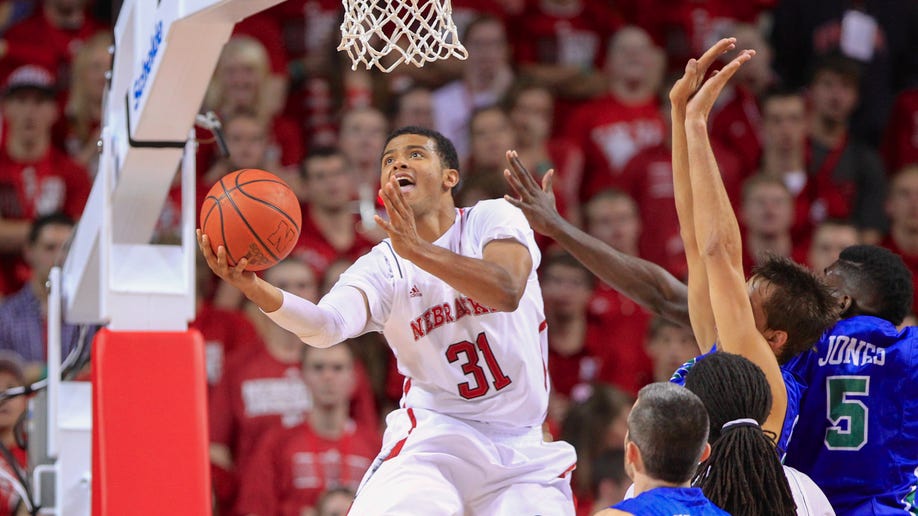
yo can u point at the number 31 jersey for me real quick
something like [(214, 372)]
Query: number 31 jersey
[(857, 436), (460, 357)]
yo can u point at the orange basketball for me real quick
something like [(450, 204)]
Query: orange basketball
[(254, 215)]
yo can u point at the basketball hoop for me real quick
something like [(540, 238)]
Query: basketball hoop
[(414, 31)]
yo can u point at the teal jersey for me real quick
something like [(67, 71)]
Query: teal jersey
[(857, 435)]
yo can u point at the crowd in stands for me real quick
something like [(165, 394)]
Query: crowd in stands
[(816, 139)]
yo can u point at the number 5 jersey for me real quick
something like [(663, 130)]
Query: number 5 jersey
[(459, 356), (857, 434)]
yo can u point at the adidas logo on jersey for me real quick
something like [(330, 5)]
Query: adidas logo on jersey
[(414, 292)]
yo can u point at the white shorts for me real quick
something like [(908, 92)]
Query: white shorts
[(433, 464)]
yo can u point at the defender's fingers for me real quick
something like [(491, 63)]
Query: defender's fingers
[(513, 201), (525, 177), (711, 55), (547, 181), (515, 184)]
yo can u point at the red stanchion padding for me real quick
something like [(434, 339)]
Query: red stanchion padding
[(149, 434)]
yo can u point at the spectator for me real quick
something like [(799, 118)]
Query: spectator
[(14, 459), (902, 207), (490, 135), (242, 83), (35, 178), (329, 229), (846, 177), (900, 145), (531, 108), (259, 390), (613, 128), (486, 76), (829, 238), (561, 43), (291, 467), (361, 139), (610, 482), (767, 214), (593, 426), (784, 151), (573, 336), (413, 106), (63, 26), (23, 315), (612, 217), (669, 345), (83, 114), (667, 437), (335, 502), (247, 140)]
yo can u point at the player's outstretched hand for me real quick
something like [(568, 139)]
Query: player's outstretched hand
[(537, 203), (695, 70), (402, 230), (699, 107), (236, 275)]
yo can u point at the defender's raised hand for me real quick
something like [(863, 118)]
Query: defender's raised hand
[(537, 203), (700, 105), (695, 71)]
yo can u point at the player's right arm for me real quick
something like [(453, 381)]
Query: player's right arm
[(322, 325), (699, 299), (645, 282)]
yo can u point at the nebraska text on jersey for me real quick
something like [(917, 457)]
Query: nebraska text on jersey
[(438, 315)]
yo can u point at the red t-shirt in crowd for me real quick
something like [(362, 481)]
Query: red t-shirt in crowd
[(35, 41), (900, 146), (611, 133), (624, 323), (54, 183), (576, 38), (226, 333), (736, 125), (314, 249), (292, 467), (570, 373)]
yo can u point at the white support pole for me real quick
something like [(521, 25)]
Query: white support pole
[(189, 217), (54, 358)]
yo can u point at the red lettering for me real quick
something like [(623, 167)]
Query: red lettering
[(417, 329), (479, 309), (448, 313), (428, 322), (438, 319), (461, 310)]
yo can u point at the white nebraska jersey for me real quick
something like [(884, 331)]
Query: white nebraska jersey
[(460, 357)]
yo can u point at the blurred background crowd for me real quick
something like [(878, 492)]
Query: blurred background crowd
[(817, 140)]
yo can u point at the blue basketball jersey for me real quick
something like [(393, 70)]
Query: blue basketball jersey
[(671, 501), (792, 383), (857, 436)]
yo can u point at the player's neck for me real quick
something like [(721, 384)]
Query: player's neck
[(433, 224), (27, 150), (329, 422), (644, 483)]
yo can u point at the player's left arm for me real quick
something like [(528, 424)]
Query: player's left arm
[(720, 242), (497, 280)]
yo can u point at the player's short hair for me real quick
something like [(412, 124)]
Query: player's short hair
[(43, 221), (799, 304), (743, 474), (669, 425), (881, 274), (449, 158)]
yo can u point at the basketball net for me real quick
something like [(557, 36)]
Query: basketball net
[(413, 31)]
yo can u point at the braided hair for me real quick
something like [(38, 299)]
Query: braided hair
[(743, 475)]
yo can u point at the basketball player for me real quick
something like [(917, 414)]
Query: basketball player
[(456, 295), (779, 313), (667, 438)]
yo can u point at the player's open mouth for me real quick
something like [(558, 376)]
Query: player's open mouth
[(405, 183)]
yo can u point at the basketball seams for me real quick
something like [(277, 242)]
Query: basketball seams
[(270, 205), (246, 222)]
